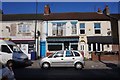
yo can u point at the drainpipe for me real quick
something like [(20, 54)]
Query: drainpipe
[(36, 50)]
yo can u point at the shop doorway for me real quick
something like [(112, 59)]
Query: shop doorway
[(66, 45)]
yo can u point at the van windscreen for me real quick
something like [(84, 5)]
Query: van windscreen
[(15, 48)]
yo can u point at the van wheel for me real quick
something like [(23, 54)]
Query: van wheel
[(10, 61), (78, 66), (46, 65)]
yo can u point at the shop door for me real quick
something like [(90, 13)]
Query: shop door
[(66, 45)]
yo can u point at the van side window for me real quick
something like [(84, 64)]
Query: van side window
[(4, 48)]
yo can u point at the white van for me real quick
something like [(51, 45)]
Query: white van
[(10, 51)]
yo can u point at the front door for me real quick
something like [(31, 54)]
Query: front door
[(82, 47)]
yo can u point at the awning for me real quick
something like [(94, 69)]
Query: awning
[(24, 41), (62, 39), (100, 39)]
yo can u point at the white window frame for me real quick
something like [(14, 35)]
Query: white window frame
[(25, 28)]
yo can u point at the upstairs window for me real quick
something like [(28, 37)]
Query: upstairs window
[(74, 27), (82, 28), (58, 29), (97, 28), (24, 28)]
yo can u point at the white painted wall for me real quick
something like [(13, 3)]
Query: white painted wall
[(107, 48), (18, 36), (89, 27), (0, 29)]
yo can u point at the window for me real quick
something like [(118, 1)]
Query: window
[(89, 47), (59, 54), (51, 55), (74, 47), (23, 28), (54, 30), (4, 48), (76, 54), (82, 47), (108, 45), (74, 28), (97, 27), (96, 47), (69, 54), (54, 47), (58, 28), (82, 28)]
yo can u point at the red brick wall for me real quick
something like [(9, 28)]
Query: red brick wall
[(105, 57)]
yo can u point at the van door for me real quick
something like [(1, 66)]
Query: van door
[(6, 53)]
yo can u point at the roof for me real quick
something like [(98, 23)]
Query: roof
[(100, 39), (89, 16), (117, 16)]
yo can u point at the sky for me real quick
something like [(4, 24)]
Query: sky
[(57, 7)]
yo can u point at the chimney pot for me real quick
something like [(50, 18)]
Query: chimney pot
[(99, 11), (46, 10), (106, 11)]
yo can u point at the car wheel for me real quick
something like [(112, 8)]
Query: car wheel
[(78, 66), (45, 65)]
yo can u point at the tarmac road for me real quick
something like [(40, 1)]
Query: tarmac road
[(93, 70)]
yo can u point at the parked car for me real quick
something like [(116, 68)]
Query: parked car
[(10, 51), (63, 58)]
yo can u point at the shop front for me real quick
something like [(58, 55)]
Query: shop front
[(62, 43)]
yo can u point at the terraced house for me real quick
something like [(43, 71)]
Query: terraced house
[(86, 31)]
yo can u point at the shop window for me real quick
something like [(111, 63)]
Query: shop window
[(74, 47), (54, 47), (89, 47)]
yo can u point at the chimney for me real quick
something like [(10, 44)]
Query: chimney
[(99, 11), (46, 10), (106, 11), (1, 11)]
